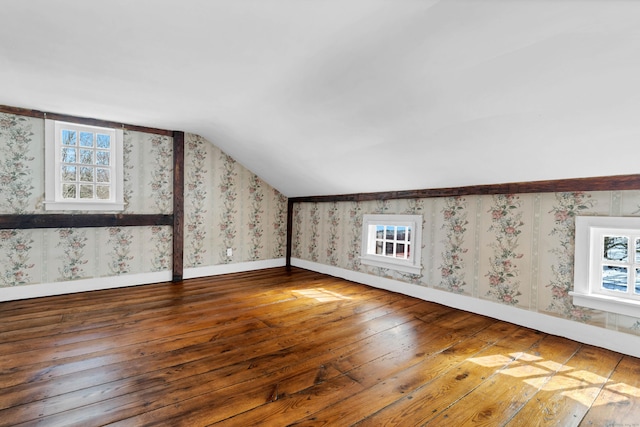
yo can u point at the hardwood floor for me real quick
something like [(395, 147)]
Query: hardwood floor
[(280, 348)]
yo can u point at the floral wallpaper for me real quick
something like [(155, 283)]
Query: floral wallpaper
[(18, 153), (513, 249), (226, 206), (54, 255)]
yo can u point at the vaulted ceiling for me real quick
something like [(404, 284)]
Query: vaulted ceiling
[(330, 97)]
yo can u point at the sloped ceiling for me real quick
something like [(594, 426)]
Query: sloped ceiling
[(329, 97)]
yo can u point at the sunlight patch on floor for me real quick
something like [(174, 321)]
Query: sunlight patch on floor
[(321, 295), (546, 375)]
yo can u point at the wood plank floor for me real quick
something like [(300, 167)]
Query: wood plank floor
[(277, 348)]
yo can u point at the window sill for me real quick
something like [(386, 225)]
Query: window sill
[(607, 303), (70, 206), (381, 262)]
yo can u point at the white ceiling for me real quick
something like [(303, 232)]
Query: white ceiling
[(330, 97)]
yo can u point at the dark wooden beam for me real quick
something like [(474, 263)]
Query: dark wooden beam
[(82, 120), (178, 205), (605, 183), (32, 221), (289, 232)]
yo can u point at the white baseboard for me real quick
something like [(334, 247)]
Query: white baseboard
[(82, 285), (588, 334), (239, 267)]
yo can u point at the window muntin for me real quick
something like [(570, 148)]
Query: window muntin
[(392, 241), (84, 167), (607, 264)]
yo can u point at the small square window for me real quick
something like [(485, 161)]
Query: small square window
[(83, 167), (607, 264), (392, 241)]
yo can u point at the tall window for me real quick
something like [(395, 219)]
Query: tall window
[(607, 264), (83, 167), (392, 241)]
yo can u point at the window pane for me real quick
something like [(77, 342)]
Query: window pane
[(69, 173), (102, 191), (86, 174), (86, 191), (102, 158), (614, 278), (637, 284), (86, 139), (68, 155), (86, 157), (379, 231), (390, 232), (68, 191), (104, 141), (389, 249), (379, 248), (409, 233), (68, 137), (402, 233), (400, 251), (637, 250), (102, 175), (616, 248)]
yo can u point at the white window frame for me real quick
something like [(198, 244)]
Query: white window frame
[(368, 256), (588, 291), (53, 176)]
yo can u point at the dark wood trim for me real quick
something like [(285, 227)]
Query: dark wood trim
[(178, 205), (289, 231), (31, 221), (82, 120), (605, 183)]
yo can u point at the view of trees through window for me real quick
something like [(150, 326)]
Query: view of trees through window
[(621, 264), (85, 163)]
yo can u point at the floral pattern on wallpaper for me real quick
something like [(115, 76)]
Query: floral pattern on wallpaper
[(162, 252), (127, 169), (195, 197), (280, 224), (355, 223), (16, 262), (452, 267), (16, 180), (229, 195), (72, 243), (507, 226), (314, 232), (296, 244), (255, 217), (333, 221), (567, 207), (413, 207), (161, 182), (120, 239), (228, 207)]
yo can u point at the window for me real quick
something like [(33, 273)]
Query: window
[(607, 264), (392, 241), (83, 167)]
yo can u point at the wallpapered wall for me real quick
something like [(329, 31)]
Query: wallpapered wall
[(226, 206), (511, 249)]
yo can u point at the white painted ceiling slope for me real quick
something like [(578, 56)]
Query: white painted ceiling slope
[(329, 97)]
